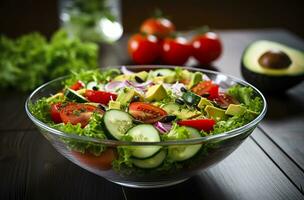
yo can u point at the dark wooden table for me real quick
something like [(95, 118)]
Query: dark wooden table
[(268, 165)]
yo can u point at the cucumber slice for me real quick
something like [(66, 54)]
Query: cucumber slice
[(74, 96), (171, 108), (191, 98), (152, 162), (117, 123), (144, 133), (184, 152)]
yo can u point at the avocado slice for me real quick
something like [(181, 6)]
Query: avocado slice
[(235, 109), (215, 113), (186, 75), (114, 105), (122, 77), (126, 95), (271, 66), (204, 102), (156, 93), (143, 75), (158, 80), (168, 75), (180, 113), (195, 79)]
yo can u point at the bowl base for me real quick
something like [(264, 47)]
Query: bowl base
[(147, 185)]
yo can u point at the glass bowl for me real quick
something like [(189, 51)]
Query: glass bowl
[(214, 148)]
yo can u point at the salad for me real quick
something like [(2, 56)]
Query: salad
[(146, 106)]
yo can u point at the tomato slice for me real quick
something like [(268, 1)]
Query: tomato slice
[(146, 112), (99, 96), (206, 88), (224, 100), (77, 86), (102, 162), (75, 113), (55, 112), (200, 124)]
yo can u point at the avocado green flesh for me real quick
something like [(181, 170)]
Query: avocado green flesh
[(252, 54)]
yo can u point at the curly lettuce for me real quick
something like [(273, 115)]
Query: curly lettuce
[(247, 97), (92, 75), (94, 130)]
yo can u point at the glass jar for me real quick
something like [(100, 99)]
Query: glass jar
[(92, 20)]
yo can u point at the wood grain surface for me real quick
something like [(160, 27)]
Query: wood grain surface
[(268, 165)]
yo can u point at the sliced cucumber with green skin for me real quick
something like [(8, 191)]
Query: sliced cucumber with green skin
[(117, 123), (171, 108), (184, 152), (151, 162), (144, 133), (74, 96), (191, 98)]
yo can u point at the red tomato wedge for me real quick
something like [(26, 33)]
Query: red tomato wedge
[(75, 113), (102, 162), (200, 124), (146, 112), (99, 96), (77, 86), (55, 112), (206, 88), (224, 100)]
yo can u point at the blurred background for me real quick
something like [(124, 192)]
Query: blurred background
[(23, 16)]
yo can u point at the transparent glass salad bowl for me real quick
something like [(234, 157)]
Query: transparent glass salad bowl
[(214, 148)]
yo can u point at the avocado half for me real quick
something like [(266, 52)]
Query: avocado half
[(271, 66)]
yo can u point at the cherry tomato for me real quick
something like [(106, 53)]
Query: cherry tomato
[(207, 47), (161, 27), (144, 49), (200, 124), (99, 96), (146, 112), (102, 162), (77, 86), (175, 51), (224, 100), (207, 89), (75, 113), (55, 112)]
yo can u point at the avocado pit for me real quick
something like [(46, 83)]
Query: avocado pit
[(275, 59)]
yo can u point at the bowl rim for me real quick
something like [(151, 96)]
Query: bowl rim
[(220, 136)]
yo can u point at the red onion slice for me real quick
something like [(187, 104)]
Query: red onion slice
[(113, 86), (163, 127)]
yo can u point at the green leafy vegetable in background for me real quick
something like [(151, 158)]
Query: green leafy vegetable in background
[(30, 60)]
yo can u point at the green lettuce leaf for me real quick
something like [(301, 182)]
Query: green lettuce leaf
[(92, 75), (247, 97), (94, 130)]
